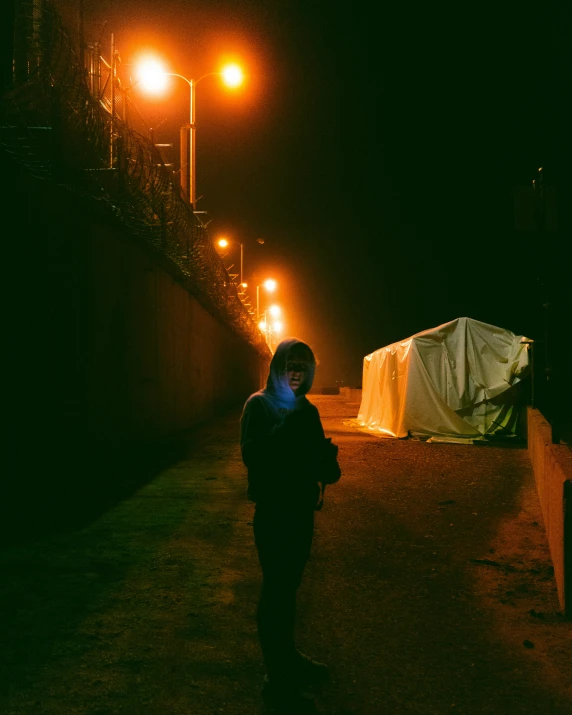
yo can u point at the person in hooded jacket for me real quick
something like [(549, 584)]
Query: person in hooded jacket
[(289, 461)]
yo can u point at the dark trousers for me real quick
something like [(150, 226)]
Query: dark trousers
[(283, 539)]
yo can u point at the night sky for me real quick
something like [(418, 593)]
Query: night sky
[(374, 151)]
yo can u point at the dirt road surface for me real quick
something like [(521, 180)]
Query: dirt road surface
[(429, 591)]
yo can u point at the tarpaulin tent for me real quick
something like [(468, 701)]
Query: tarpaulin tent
[(456, 380)]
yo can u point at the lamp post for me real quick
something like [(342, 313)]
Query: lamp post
[(152, 76), (275, 331), (271, 331), (187, 146), (270, 286), (275, 328), (223, 243), (232, 76)]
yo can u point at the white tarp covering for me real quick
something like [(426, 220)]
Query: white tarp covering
[(453, 380)]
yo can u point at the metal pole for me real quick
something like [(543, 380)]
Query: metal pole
[(192, 180), (257, 303), (241, 262), (184, 157), (81, 36), (37, 16), (112, 89), (91, 70), (97, 79)]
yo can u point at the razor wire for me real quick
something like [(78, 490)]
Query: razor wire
[(51, 123)]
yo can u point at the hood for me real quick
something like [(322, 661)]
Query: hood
[(277, 384)]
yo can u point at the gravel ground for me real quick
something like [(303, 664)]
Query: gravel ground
[(430, 590)]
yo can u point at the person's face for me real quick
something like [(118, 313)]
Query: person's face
[(296, 369)]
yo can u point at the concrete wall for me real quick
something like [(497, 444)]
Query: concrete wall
[(157, 362), (552, 465), (105, 346)]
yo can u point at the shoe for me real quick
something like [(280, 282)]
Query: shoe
[(283, 700), (310, 671)]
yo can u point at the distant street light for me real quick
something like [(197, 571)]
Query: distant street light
[(223, 243), (152, 76), (271, 331), (270, 285)]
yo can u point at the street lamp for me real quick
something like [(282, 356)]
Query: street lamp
[(223, 243), (271, 331), (152, 76), (275, 331), (270, 285)]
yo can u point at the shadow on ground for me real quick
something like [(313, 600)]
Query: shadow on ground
[(58, 492)]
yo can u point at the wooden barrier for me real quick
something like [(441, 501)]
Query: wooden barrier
[(552, 466)]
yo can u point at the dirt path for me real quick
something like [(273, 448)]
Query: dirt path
[(429, 591)]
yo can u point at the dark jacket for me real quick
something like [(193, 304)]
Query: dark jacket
[(282, 440)]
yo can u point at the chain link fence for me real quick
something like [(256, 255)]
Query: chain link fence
[(53, 123)]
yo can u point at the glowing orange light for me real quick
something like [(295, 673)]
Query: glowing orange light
[(274, 311), (223, 242), (262, 325), (277, 326), (270, 285), (232, 75), (244, 285), (151, 75)]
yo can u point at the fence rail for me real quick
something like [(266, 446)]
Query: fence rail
[(51, 122)]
